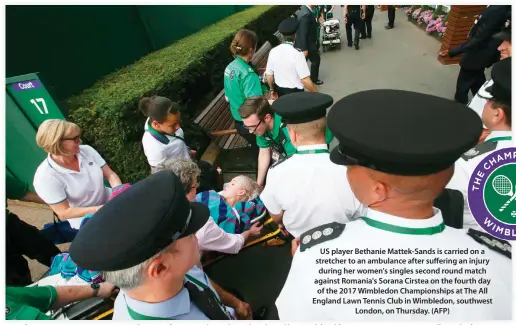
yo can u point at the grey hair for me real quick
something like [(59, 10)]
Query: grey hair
[(185, 169), (251, 188), (129, 278)]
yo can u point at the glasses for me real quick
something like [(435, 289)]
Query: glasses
[(253, 127), (74, 139)]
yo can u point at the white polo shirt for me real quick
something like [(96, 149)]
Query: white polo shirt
[(288, 66), (402, 285), (157, 150), (311, 190), (55, 184), (465, 166)]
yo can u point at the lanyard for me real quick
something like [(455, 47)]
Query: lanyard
[(161, 137), (404, 230), (499, 139), (312, 151), (137, 316)]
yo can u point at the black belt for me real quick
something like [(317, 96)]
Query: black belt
[(285, 91)]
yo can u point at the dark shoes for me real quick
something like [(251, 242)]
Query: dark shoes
[(318, 82), (356, 46), (389, 27)]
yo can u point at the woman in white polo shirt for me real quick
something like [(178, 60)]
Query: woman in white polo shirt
[(71, 179), (163, 137)]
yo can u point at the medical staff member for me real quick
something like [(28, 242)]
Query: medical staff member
[(32, 303), (287, 70), (396, 169), (496, 116), (479, 100), (71, 179), (241, 80), (163, 137), (297, 186), (154, 259), (271, 134)]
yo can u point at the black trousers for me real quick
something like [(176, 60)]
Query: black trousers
[(466, 81), (356, 21), (285, 91), (391, 14), (24, 239), (315, 60), (367, 26)]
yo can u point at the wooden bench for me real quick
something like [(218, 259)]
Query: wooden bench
[(216, 118)]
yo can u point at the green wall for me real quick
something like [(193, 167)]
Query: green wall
[(73, 46)]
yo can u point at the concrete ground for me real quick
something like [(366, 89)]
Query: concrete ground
[(400, 58)]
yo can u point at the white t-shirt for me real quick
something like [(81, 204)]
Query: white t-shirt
[(311, 190), (288, 66), (465, 168), (361, 291), (55, 184), (157, 151)]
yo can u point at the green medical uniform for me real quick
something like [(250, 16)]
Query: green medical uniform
[(240, 82), (29, 303), (279, 141)]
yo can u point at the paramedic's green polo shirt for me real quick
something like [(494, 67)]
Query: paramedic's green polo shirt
[(240, 82), (263, 140), (29, 303)]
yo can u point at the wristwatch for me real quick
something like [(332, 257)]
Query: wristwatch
[(96, 288)]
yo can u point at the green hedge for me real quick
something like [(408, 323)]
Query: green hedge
[(189, 71)]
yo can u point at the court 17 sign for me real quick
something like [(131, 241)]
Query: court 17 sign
[(492, 194)]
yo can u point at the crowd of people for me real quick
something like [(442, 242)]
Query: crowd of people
[(397, 156)]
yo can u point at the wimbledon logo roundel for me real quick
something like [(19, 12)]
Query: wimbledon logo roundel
[(492, 194)]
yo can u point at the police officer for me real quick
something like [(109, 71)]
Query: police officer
[(306, 38), (479, 100), (297, 186), (144, 242), (271, 134), (396, 169), (496, 116), (354, 16), (366, 26), (241, 80), (287, 70), (480, 51)]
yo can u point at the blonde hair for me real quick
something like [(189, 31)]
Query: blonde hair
[(309, 130), (51, 132), (252, 189)]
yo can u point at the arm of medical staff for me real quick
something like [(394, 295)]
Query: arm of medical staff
[(270, 81), (68, 294), (264, 160), (308, 84), (64, 211), (111, 176), (242, 309), (278, 218)]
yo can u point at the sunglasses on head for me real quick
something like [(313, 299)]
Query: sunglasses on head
[(75, 139)]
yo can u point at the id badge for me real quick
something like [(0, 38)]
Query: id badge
[(275, 156)]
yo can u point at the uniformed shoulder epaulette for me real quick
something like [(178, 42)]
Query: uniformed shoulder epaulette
[(279, 162), (321, 234), (479, 149), (499, 245)]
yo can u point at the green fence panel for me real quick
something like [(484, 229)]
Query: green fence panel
[(23, 155)]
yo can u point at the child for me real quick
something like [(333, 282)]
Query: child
[(234, 207)]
